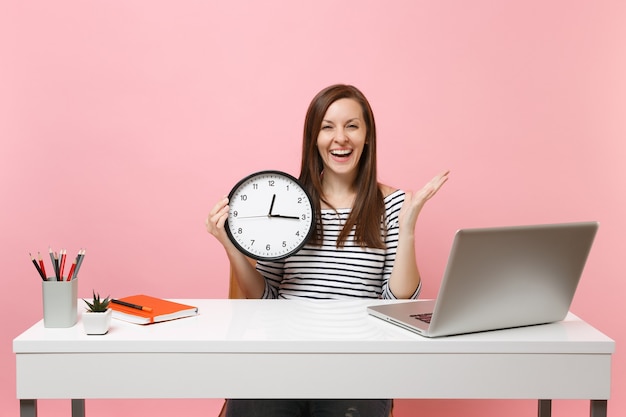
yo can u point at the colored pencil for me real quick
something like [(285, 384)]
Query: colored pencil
[(79, 261), (69, 274), (131, 305), (56, 266), (43, 276), (52, 260), (43, 268), (62, 254)]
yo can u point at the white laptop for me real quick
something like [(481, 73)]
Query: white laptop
[(499, 278)]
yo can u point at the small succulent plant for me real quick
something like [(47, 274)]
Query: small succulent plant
[(97, 305)]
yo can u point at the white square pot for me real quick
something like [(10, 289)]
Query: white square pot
[(97, 323)]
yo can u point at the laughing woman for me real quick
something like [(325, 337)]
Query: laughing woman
[(363, 244)]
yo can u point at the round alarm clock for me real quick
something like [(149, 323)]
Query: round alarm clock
[(270, 216)]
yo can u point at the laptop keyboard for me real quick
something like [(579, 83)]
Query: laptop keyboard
[(425, 317)]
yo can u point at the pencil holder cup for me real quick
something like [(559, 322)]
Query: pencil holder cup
[(59, 302)]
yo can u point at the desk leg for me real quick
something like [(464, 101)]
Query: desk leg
[(78, 408), (28, 408), (545, 408), (598, 408)]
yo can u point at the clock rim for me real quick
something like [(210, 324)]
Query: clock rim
[(291, 252)]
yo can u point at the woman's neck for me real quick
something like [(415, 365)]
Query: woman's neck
[(338, 192)]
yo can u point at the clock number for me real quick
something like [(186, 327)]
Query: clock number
[(255, 186), (284, 244), (298, 233), (304, 217), (299, 200), (271, 183), (267, 247), (240, 230), (252, 242), (235, 213), (243, 197)]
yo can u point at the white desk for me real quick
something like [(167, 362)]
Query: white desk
[(304, 349)]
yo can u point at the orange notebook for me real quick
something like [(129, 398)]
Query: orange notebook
[(162, 310)]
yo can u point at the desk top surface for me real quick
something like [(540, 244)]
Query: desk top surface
[(289, 326)]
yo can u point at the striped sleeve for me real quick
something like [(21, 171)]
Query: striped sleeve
[(393, 204)]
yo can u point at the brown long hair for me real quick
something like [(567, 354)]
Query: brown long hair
[(369, 206)]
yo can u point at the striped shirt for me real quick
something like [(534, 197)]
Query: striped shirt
[(328, 272)]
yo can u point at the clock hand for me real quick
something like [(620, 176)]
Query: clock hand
[(280, 216), (272, 205)]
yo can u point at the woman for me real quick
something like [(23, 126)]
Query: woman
[(363, 244)]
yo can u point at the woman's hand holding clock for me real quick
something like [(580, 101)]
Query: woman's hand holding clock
[(216, 219)]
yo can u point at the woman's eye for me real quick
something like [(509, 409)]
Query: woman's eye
[(326, 127)]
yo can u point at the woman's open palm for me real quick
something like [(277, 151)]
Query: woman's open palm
[(414, 201)]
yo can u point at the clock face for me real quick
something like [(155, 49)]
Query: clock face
[(271, 216)]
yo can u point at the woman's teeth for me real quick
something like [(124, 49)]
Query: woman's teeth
[(343, 152)]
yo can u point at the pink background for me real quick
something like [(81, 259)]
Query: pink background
[(121, 123)]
